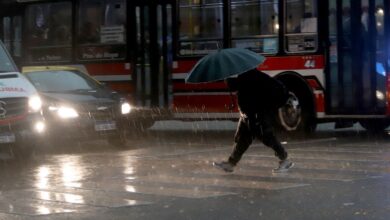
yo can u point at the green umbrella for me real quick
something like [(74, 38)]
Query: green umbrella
[(223, 64)]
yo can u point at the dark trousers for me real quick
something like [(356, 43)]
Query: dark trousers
[(255, 127)]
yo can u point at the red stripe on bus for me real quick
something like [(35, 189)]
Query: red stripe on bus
[(293, 63), (271, 63), (313, 84), (200, 86), (320, 103), (203, 103), (184, 66)]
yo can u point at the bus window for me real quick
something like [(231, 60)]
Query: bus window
[(301, 26), (17, 36), (255, 25), (50, 28), (101, 30), (7, 32), (12, 35), (200, 26)]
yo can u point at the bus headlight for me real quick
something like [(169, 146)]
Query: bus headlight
[(67, 112), (34, 103), (380, 95), (125, 108)]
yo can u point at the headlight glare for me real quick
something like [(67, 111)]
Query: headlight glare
[(380, 95), (40, 126), (67, 112), (125, 108), (35, 103)]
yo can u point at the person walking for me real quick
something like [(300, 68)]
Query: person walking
[(258, 96)]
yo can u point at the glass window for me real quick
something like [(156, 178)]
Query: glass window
[(101, 30), (301, 26), (53, 81), (379, 17), (17, 36), (50, 27), (12, 35), (381, 55), (7, 32), (6, 64), (255, 25), (200, 26)]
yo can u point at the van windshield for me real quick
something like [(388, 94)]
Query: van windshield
[(6, 64)]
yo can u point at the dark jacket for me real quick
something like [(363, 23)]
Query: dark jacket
[(258, 93)]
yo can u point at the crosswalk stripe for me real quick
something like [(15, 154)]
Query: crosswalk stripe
[(265, 163), (33, 207), (160, 190), (219, 182), (336, 161), (292, 175), (338, 150), (192, 192), (318, 164), (76, 198)]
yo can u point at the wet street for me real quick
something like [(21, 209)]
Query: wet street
[(167, 173)]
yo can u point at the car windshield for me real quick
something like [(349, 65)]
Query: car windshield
[(6, 64), (62, 81)]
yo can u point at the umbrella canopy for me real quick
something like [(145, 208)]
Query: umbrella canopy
[(223, 64)]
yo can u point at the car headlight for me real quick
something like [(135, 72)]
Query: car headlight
[(40, 126), (67, 112), (35, 103), (125, 108)]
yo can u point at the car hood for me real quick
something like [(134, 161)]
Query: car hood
[(80, 99), (17, 86)]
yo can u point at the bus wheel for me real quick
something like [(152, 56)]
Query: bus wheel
[(295, 116), (374, 125)]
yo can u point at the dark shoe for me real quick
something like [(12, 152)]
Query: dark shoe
[(284, 166), (225, 166)]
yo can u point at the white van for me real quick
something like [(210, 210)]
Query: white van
[(21, 117)]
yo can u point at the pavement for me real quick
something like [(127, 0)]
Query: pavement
[(167, 173)]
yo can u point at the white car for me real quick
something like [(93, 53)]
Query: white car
[(21, 119)]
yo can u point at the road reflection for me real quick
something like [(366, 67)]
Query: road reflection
[(69, 171)]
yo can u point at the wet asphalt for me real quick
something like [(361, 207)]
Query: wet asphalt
[(166, 173)]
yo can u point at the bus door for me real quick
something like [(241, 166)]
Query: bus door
[(152, 51), (357, 60), (11, 31)]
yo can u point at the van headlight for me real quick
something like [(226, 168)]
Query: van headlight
[(125, 108), (35, 103)]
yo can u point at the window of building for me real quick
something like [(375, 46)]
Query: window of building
[(101, 30), (50, 35)]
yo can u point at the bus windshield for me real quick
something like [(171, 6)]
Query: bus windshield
[(6, 64)]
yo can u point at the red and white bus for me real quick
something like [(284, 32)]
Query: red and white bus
[(333, 55)]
